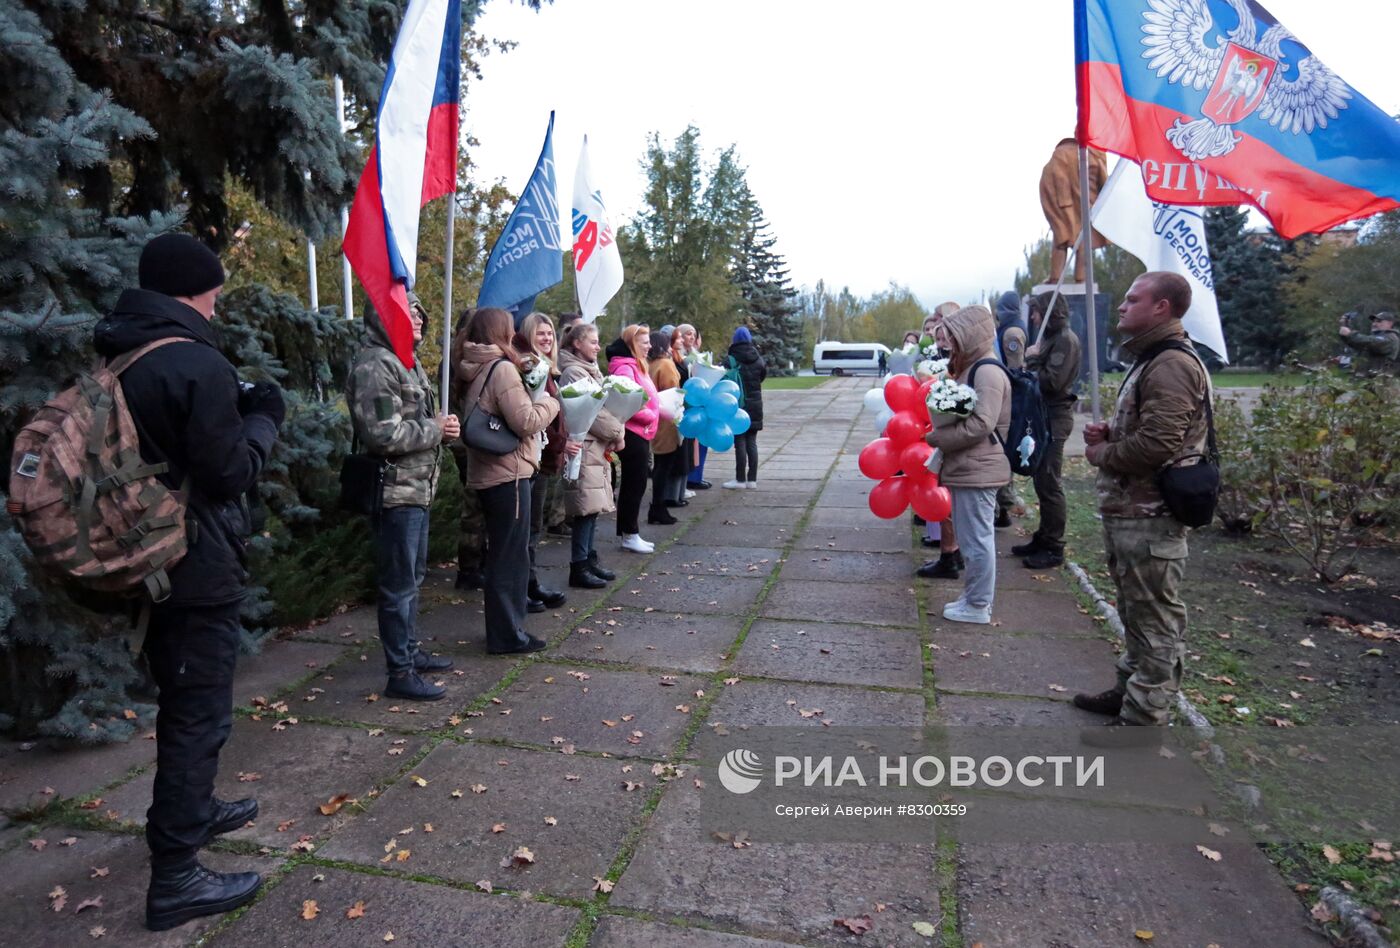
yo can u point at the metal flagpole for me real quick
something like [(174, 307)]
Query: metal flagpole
[(447, 300), (345, 274), (1086, 242), (314, 291)]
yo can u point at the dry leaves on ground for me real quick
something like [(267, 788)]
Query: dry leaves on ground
[(857, 925)]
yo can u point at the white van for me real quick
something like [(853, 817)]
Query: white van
[(848, 358)]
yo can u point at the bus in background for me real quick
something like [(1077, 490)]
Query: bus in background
[(849, 358)]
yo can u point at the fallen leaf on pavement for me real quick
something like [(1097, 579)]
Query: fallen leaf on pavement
[(858, 925), (1210, 854), (94, 902), (485, 885), (309, 909), (58, 898), (356, 911), (1142, 934), (333, 805), (601, 885)]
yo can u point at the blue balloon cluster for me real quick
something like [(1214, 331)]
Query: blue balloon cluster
[(712, 414)]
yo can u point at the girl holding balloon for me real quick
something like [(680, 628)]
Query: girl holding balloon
[(627, 356)]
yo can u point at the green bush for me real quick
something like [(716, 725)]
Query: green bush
[(1241, 501)]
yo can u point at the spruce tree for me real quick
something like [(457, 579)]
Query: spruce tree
[(770, 301), (1249, 269)]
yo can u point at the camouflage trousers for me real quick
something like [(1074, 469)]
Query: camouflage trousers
[(1147, 558), (471, 533)]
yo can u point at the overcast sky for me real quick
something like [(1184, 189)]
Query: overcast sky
[(887, 141)]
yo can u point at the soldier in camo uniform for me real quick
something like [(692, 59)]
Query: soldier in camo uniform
[(1378, 352), (1159, 417)]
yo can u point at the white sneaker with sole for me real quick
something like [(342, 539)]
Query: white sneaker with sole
[(633, 543), (961, 611), (733, 485), (687, 495), (752, 485)]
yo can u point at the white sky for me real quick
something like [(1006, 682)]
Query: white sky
[(885, 140)]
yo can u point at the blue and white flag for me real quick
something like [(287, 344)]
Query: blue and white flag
[(1164, 237), (528, 257)]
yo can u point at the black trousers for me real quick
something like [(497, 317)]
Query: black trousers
[(746, 451), (663, 468), (634, 457), (192, 652), (507, 570)]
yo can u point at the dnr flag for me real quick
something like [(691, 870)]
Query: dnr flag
[(1221, 104)]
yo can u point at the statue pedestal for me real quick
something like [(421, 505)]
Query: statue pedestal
[(1076, 296)]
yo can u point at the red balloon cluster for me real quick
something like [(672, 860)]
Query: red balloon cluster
[(897, 460)]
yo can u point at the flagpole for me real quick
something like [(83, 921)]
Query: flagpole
[(346, 277), (1086, 241), (447, 301)]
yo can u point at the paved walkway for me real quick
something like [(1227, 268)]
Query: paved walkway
[(552, 800)]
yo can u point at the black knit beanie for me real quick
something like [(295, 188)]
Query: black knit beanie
[(179, 265)]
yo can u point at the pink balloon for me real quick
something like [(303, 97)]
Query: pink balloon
[(889, 498), (879, 459)]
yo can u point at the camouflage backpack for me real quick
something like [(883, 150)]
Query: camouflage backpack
[(89, 508)]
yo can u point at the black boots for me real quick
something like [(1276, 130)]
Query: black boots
[(581, 577), (1003, 518), (423, 662), (470, 579), (410, 686), (596, 568), (1043, 559), (660, 515), (1030, 546), (178, 895), (1108, 702), (529, 644), (947, 566), (552, 598), (228, 817)]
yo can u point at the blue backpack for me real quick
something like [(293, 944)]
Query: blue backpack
[(1028, 438)]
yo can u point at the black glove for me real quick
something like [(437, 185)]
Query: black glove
[(264, 398)]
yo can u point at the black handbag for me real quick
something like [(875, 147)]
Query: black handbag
[(1190, 491), (484, 431), (362, 481)]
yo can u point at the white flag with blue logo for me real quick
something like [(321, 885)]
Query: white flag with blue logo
[(597, 262)]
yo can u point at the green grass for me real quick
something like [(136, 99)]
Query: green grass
[(795, 382)]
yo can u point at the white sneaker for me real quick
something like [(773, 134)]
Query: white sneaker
[(633, 543), (688, 494), (733, 485), (752, 485), (960, 611)]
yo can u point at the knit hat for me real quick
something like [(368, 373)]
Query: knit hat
[(179, 265), (742, 334), (668, 329)]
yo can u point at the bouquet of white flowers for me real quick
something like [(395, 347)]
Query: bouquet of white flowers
[(903, 359), (702, 366), (936, 369), (579, 403), (624, 397), (947, 401), (534, 372)]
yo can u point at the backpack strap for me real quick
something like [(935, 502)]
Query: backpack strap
[(127, 359), (1212, 452)]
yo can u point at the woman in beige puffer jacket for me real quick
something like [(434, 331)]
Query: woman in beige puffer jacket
[(591, 494), (974, 463)]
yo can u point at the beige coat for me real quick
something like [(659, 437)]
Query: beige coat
[(664, 375), (506, 398), (972, 457), (592, 493)]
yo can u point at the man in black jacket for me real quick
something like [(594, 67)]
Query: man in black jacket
[(192, 414)]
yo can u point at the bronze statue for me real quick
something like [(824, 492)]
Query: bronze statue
[(1059, 197)]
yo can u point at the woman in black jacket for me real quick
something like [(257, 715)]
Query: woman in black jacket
[(744, 355)]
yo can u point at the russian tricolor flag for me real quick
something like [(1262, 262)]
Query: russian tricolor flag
[(414, 160)]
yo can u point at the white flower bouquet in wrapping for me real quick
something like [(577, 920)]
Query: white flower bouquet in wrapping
[(936, 369), (624, 397), (947, 401), (534, 373), (903, 359), (702, 366), (579, 403)]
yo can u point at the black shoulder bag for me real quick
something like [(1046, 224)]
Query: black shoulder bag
[(1190, 491), (362, 480), (484, 431)]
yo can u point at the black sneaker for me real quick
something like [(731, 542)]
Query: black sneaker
[(1044, 559), (552, 598), (1003, 518), (411, 687), (1108, 702), (534, 606), (597, 569), (423, 662), (229, 816), (470, 579), (531, 644), (1026, 549), (175, 897), (699, 485), (945, 567), (661, 517), (581, 577)]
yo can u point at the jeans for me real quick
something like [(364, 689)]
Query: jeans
[(401, 563), (507, 509), (697, 473), (635, 454), (581, 538), (974, 510), (192, 652), (746, 451)]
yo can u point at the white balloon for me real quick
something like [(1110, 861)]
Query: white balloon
[(875, 399), (882, 419)]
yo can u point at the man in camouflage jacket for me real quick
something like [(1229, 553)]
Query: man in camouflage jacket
[(393, 411), (1378, 352), (1159, 418)]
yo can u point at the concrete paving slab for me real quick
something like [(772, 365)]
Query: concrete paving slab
[(979, 711), (746, 562), (676, 594), (870, 538), (841, 566), (653, 639), (834, 653), (559, 706), (1019, 665), (355, 625), (44, 774), (416, 913), (616, 931), (587, 797), (852, 517), (1051, 611), (1050, 895), (27, 900), (792, 891), (297, 769), (724, 527), (781, 704), (353, 690), (279, 664), (846, 494), (841, 602)]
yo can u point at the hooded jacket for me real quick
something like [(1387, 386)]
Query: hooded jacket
[(1056, 362), (1008, 317), (1171, 390), (394, 414), (184, 401), (972, 455), (621, 362), (506, 398), (753, 371), (592, 492)]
